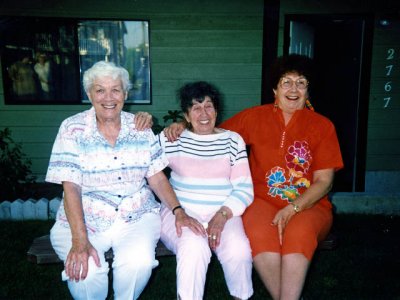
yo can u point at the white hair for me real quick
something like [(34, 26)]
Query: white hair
[(103, 68)]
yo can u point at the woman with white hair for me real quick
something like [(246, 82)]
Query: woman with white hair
[(103, 163)]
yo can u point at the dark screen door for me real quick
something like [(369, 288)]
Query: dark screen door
[(339, 90)]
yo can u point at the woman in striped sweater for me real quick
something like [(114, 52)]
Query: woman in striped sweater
[(211, 177)]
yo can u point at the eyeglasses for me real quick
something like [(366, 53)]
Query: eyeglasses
[(287, 83)]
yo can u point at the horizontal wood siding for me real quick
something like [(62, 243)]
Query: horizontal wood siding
[(218, 41), (383, 151)]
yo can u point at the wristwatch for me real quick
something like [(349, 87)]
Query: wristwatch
[(296, 208)]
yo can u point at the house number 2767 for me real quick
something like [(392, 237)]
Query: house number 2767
[(388, 84)]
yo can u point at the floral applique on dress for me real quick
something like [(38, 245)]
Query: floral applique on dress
[(285, 182)]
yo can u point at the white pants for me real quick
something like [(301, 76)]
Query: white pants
[(193, 255), (133, 246)]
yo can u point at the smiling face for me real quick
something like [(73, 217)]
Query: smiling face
[(107, 97), (202, 116), (291, 92)]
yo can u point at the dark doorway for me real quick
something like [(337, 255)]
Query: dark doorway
[(341, 49)]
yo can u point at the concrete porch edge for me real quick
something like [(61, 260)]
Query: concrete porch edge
[(366, 203)]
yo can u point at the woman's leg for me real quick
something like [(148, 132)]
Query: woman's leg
[(294, 271), (265, 245), (235, 256), (95, 285), (283, 277), (134, 255), (300, 240), (268, 267), (192, 255)]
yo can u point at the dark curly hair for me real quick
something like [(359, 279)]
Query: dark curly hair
[(198, 90), (296, 63)]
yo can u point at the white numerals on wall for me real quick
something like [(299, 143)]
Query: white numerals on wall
[(388, 84)]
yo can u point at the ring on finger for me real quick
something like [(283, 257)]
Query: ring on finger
[(214, 237)]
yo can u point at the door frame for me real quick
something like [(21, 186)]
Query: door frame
[(359, 164)]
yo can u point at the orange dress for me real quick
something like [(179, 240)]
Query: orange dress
[(282, 161)]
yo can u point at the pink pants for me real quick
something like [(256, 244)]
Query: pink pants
[(134, 258), (193, 255)]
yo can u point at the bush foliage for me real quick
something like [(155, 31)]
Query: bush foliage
[(170, 117), (15, 167)]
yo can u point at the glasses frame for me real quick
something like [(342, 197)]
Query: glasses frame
[(296, 82)]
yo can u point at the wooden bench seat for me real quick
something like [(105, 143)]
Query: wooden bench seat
[(41, 251), (330, 242)]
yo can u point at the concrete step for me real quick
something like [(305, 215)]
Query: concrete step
[(366, 203)]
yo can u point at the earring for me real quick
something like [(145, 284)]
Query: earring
[(275, 105), (309, 105)]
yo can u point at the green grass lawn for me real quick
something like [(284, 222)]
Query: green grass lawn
[(365, 265)]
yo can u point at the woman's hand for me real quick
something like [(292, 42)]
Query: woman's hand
[(76, 265), (162, 188), (216, 226), (322, 183), (183, 220), (143, 120), (282, 218), (173, 131)]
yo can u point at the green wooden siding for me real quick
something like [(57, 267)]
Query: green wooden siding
[(383, 151), (218, 41)]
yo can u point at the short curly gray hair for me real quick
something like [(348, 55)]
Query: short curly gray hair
[(103, 68)]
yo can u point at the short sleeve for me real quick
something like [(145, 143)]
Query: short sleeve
[(159, 160), (327, 154), (64, 160), (237, 123)]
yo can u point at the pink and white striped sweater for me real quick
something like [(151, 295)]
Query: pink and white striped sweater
[(209, 171)]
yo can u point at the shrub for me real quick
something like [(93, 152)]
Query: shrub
[(171, 116), (15, 167)]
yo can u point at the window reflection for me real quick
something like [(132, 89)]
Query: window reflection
[(43, 59), (125, 43)]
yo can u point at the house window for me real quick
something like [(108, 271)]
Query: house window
[(43, 59)]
